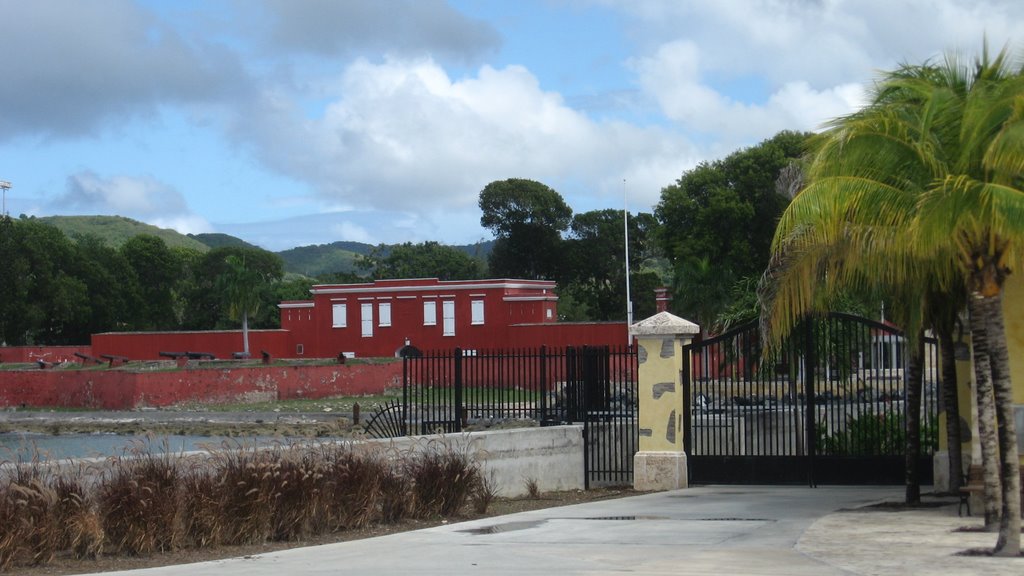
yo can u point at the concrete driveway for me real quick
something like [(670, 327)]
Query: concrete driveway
[(718, 530)]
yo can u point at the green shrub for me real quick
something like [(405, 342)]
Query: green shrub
[(874, 435)]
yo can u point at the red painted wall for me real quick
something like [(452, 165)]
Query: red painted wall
[(18, 354), (129, 389), (222, 344)]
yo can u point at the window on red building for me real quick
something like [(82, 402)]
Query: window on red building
[(448, 315), (366, 310), (339, 315), (477, 312)]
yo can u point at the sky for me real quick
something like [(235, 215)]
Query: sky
[(297, 122)]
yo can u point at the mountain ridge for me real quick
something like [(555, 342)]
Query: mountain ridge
[(309, 260)]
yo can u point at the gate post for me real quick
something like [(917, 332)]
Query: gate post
[(660, 463)]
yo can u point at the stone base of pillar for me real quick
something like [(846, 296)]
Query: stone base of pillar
[(659, 471)]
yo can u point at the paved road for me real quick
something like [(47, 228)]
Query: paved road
[(708, 530)]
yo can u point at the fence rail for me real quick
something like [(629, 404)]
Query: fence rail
[(445, 391), (829, 406)]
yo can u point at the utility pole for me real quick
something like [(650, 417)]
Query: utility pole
[(5, 186)]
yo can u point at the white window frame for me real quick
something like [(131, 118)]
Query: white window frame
[(366, 318), (430, 313), (384, 313), (477, 312), (339, 315), (448, 317)]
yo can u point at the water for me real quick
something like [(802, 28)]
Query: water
[(64, 446)]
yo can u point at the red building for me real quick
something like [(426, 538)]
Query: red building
[(377, 319)]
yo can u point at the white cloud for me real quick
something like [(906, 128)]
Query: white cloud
[(353, 233), (808, 61), (79, 64), (184, 224), (403, 135), (402, 27), (140, 198), (673, 77), (824, 42)]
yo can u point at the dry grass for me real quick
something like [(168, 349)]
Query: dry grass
[(143, 503)]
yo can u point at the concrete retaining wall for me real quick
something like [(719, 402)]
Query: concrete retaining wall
[(551, 456)]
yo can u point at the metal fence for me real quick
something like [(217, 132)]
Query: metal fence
[(828, 407), (446, 391)]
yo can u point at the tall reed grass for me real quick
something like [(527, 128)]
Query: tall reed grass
[(145, 501)]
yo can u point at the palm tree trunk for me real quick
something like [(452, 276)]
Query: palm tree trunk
[(951, 405), (245, 333), (986, 409), (912, 420), (1008, 542)]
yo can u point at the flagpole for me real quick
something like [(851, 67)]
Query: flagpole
[(625, 224)]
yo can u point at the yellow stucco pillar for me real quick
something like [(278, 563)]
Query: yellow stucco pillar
[(660, 463)]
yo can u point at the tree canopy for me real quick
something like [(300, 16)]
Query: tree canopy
[(527, 219), (596, 286), (425, 260), (920, 192), (60, 290), (721, 216)]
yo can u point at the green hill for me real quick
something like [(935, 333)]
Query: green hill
[(217, 240), (116, 230), (314, 260), (319, 259)]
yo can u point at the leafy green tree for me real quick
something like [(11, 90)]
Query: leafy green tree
[(157, 271), (101, 267), (426, 260), (722, 215), (594, 272), (920, 192), (207, 305), (339, 278), (14, 285), (42, 303), (244, 287), (527, 219)]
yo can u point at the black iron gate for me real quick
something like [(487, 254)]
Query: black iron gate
[(591, 385), (827, 408), (607, 408)]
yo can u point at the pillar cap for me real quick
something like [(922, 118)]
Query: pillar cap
[(664, 324)]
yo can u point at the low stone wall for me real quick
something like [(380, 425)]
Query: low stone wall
[(550, 456)]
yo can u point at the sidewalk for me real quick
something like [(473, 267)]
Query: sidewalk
[(715, 530), (923, 541)]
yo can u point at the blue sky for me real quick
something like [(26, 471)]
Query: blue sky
[(295, 122)]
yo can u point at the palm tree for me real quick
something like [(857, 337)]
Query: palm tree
[(920, 191), (241, 286)]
